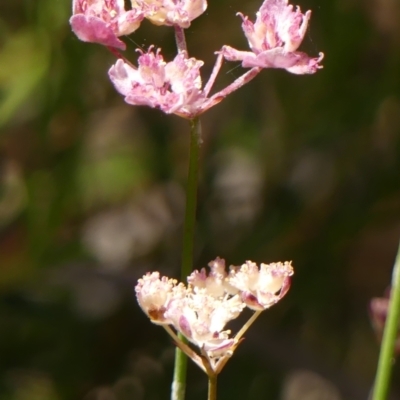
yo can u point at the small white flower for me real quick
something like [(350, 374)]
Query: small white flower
[(202, 310), (172, 12), (154, 294), (260, 288), (214, 282), (202, 317)]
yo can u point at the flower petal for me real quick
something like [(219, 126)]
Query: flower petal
[(173, 87), (274, 39), (94, 30), (100, 21)]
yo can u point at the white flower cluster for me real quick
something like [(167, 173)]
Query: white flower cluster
[(201, 310)]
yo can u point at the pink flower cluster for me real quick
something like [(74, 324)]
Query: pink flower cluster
[(175, 86), (274, 39), (104, 21), (201, 310)]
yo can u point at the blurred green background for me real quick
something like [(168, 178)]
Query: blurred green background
[(302, 168)]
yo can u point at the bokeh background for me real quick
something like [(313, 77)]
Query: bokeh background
[(302, 168)]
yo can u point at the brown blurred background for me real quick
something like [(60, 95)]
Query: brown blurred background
[(302, 168)]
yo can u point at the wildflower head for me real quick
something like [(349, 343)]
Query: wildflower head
[(202, 310), (173, 87), (260, 288), (202, 318), (154, 295), (276, 25), (214, 282), (103, 21), (274, 39)]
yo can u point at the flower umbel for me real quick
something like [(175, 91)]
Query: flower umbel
[(154, 295), (274, 39), (173, 87), (202, 318), (260, 288), (214, 282), (202, 310), (103, 21)]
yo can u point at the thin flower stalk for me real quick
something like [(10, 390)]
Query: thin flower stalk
[(214, 74), (191, 198), (180, 366), (212, 387), (235, 85), (221, 363), (180, 39), (386, 356)]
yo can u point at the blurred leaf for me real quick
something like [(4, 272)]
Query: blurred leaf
[(24, 62), (109, 180)]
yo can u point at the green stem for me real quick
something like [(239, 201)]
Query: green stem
[(179, 380), (191, 199), (212, 387), (386, 356)]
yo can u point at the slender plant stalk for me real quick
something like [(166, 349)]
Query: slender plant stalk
[(191, 198), (247, 324), (386, 356), (180, 38), (222, 361), (212, 387), (179, 379)]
